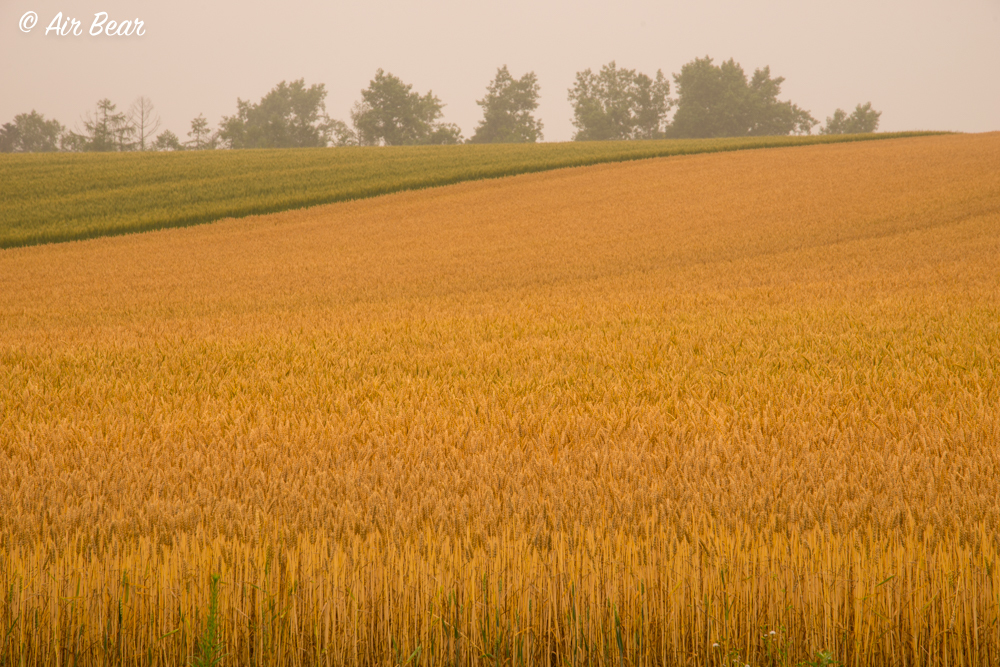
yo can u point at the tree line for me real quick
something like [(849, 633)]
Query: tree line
[(613, 103)]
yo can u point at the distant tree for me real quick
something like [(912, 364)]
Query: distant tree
[(104, 130), (768, 115), (124, 136), (391, 114), (864, 119), (167, 141), (30, 133), (201, 135), (143, 118), (8, 138), (341, 134), (507, 110), (102, 127), (619, 104), (290, 116), (445, 134), (71, 142), (719, 101), (105, 127)]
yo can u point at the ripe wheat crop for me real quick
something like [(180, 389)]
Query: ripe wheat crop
[(683, 411), (51, 197)]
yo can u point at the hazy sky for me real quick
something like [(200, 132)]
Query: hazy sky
[(926, 64)]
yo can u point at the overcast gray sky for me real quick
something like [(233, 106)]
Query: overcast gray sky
[(926, 64)]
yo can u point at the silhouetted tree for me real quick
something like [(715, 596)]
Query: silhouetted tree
[(507, 110), (619, 104), (863, 119), (104, 130), (391, 114), (142, 117), (201, 135), (290, 116), (719, 101), (30, 133), (8, 138), (341, 134), (167, 141)]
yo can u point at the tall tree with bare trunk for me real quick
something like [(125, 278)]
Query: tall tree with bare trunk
[(145, 121)]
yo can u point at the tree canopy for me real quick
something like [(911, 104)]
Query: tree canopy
[(104, 130), (390, 113), (167, 141), (720, 101), (30, 133), (507, 110), (619, 104), (863, 119), (613, 103), (290, 116), (201, 137)]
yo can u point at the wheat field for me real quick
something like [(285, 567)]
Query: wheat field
[(721, 409), (55, 197)]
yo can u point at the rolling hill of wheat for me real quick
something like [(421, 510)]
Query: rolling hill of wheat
[(688, 410), (54, 197)]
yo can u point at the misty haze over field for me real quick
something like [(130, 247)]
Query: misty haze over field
[(925, 64)]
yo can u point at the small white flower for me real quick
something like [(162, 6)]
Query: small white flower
[(772, 633), (715, 645)]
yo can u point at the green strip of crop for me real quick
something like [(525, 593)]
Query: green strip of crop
[(46, 198)]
